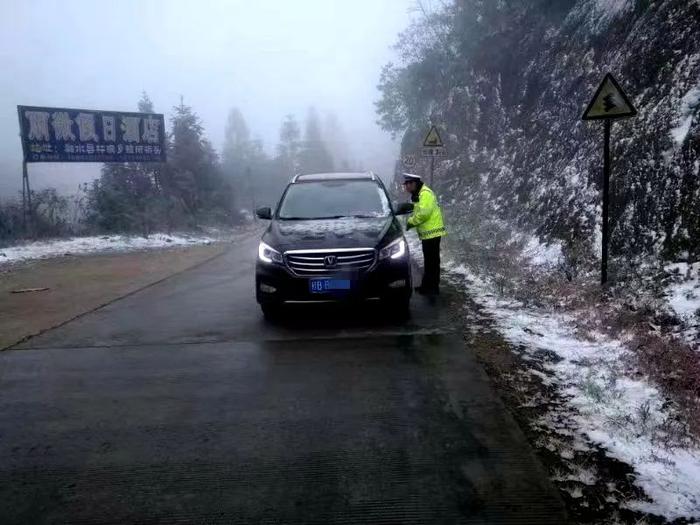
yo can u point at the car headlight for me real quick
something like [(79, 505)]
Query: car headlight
[(394, 250), (268, 254)]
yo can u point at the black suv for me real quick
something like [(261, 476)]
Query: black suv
[(333, 237)]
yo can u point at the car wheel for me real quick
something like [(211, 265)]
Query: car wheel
[(399, 308), (271, 311)]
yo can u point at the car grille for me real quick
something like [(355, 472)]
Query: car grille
[(308, 262)]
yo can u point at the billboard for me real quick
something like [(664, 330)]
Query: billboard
[(83, 135)]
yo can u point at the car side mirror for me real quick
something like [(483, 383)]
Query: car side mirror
[(404, 208), (264, 213)]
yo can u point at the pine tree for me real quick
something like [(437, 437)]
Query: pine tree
[(124, 197), (194, 166), (334, 138), (314, 156), (236, 144), (288, 147)]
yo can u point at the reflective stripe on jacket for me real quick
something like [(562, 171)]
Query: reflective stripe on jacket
[(426, 216)]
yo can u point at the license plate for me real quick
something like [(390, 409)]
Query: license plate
[(328, 285)]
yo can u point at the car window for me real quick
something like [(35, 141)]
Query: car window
[(334, 199)]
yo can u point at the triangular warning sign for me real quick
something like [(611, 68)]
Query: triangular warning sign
[(432, 139), (609, 101)]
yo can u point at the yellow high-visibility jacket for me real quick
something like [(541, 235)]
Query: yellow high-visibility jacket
[(427, 216)]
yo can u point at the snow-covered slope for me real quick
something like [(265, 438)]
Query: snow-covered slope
[(511, 115)]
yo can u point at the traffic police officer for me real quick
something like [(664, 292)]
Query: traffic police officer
[(427, 219)]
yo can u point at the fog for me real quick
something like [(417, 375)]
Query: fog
[(268, 58)]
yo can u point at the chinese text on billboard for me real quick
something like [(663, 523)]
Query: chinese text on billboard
[(78, 135)]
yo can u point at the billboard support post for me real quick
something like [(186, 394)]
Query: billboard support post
[(27, 209)]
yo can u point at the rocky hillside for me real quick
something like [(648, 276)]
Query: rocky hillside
[(507, 82)]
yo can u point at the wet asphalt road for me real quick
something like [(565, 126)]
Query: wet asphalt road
[(180, 404)]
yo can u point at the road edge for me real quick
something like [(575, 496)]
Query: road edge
[(26, 338)]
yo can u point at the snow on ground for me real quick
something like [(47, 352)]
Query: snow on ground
[(683, 295), (541, 254), (98, 244), (605, 405)]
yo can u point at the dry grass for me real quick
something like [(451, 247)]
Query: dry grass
[(675, 367), (630, 309)]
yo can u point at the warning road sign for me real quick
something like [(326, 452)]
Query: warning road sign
[(432, 145), (432, 139), (609, 101)]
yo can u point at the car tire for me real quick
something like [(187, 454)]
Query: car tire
[(271, 311), (399, 308)]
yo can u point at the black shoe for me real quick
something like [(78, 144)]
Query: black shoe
[(421, 290)]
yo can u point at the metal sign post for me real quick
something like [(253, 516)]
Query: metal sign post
[(606, 202), (433, 147), (609, 102), (26, 190), (26, 200)]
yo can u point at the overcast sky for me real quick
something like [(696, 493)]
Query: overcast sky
[(267, 57)]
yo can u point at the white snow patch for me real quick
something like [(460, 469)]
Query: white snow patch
[(342, 227), (612, 8), (688, 103), (598, 14), (542, 254), (88, 245), (604, 404), (680, 132), (684, 296)]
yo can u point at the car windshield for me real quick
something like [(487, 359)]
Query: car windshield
[(334, 199)]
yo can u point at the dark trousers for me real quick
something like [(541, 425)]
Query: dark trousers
[(431, 264)]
